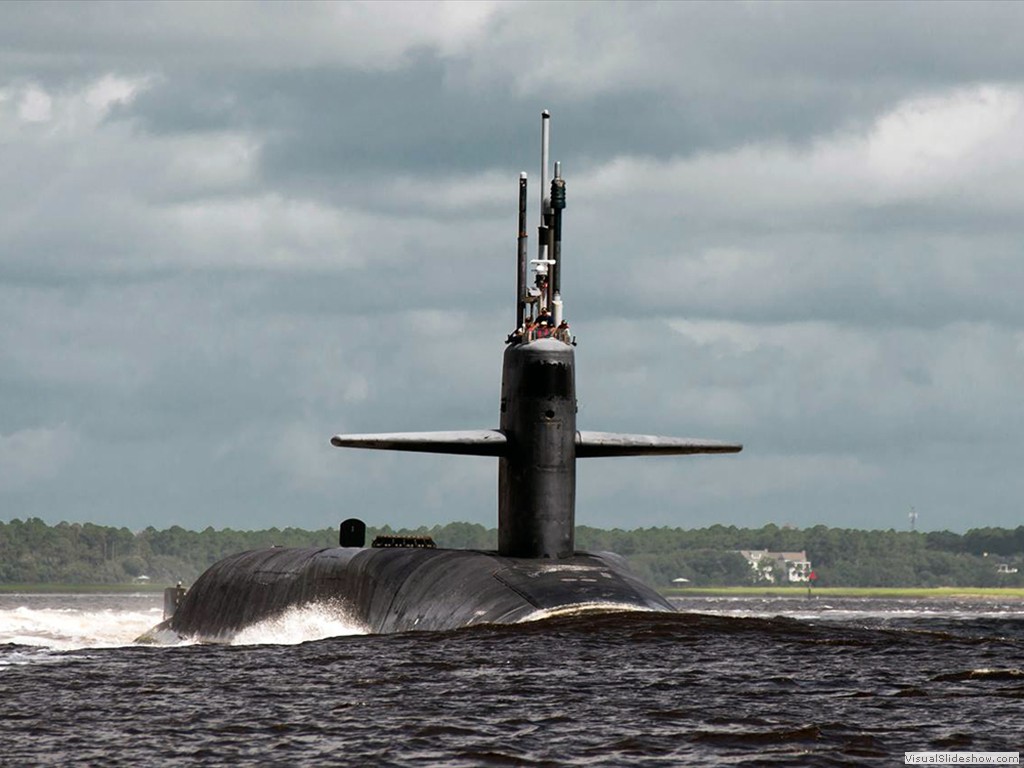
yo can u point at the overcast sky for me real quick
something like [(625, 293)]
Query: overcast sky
[(229, 231)]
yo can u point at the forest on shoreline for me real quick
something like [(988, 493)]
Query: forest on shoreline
[(32, 552)]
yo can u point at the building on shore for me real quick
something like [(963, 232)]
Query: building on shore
[(778, 567)]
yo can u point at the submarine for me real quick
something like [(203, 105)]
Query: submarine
[(401, 584)]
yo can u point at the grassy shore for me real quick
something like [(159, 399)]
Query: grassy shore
[(890, 592)]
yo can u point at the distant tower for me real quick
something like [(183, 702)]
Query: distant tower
[(913, 519)]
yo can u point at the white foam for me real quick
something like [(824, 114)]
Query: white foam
[(300, 625), (68, 629), (848, 610), (576, 609)]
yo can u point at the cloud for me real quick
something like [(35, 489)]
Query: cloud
[(31, 456), (700, 491), (822, 387), (35, 106), (858, 227), (952, 147), (356, 34), (30, 112)]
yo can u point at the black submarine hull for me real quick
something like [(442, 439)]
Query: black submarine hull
[(400, 589)]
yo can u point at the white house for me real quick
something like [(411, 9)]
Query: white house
[(778, 567)]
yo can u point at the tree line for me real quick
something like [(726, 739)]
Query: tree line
[(32, 552)]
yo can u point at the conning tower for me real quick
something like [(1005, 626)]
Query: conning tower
[(537, 474), (537, 442)]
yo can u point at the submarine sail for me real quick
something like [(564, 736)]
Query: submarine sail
[(400, 585)]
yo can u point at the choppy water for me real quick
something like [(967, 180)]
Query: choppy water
[(723, 682)]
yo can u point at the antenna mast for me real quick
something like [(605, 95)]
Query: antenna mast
[(544, 231), (521, 278)]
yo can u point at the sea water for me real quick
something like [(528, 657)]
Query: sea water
[(741, 681)]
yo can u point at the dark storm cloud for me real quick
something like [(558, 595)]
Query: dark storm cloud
[(804, 71)]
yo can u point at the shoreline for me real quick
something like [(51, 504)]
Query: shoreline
[(971, 593), (76, 589)]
